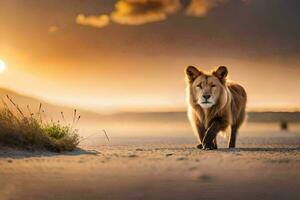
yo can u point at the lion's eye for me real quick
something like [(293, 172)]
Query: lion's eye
[(199, 86), (213, 85)]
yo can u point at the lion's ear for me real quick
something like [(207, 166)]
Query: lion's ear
[(221, 73), (192, 73)]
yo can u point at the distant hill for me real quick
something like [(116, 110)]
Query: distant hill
[(91, 117), (263, 117), (274, 117), (51, 110)]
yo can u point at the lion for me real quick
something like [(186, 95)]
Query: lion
[(214, 105)]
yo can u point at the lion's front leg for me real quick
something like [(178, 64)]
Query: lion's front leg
[(209, 141), (201, 133), (233, 134), (215, 143)]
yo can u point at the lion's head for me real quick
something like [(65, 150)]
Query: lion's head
[(207, 89)]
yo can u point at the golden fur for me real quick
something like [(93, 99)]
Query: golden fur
[(211, 97)]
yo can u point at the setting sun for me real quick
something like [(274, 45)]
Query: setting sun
[(2, 66)]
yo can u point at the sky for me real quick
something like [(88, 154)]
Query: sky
[(130, 55)]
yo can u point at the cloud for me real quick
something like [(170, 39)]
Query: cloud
[(200, 8), (99, 21), (137, 12)]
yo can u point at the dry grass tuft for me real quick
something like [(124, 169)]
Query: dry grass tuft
[(30, 132)]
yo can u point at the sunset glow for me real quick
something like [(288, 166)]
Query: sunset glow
[(119, 55), (2, 66)]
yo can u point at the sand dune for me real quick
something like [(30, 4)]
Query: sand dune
[(261, 168)]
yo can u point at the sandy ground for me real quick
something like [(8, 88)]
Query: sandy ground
[(261, 168)]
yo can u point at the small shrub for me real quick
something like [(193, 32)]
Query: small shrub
[(30, 132), (56, 131)]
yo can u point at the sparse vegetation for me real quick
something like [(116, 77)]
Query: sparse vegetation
[(29, 131)]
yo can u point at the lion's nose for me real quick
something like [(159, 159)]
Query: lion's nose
[(206, 97)]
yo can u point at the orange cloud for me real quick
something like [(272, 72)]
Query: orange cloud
[(200, 8), (137, 12), (92, 20)]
